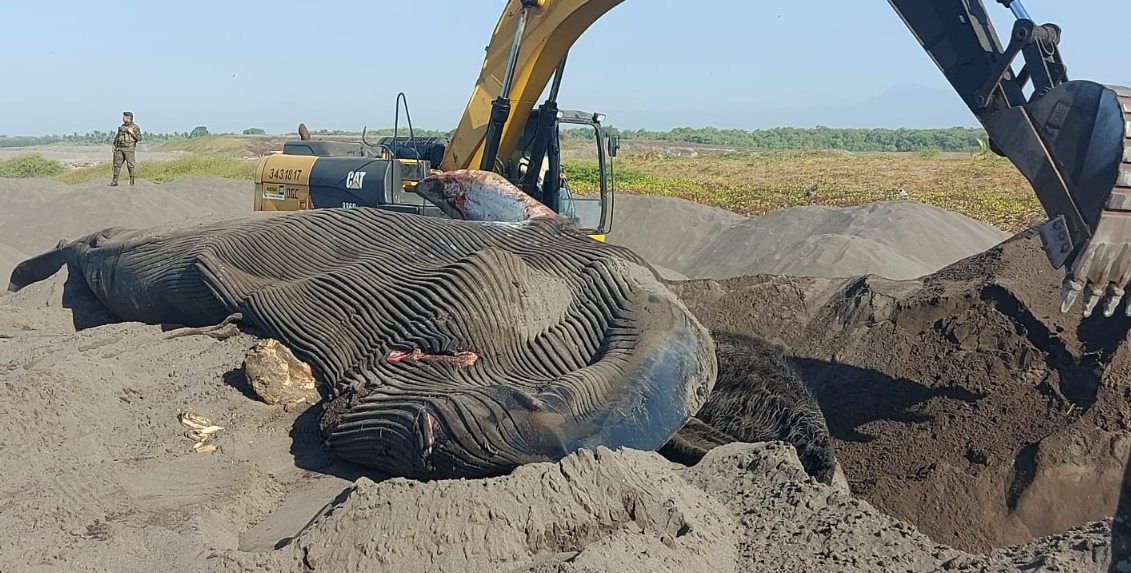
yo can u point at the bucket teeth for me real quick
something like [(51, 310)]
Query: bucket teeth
[(1069, 292), (1095, 293)]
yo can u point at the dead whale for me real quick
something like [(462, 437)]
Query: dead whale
[(444, 348)]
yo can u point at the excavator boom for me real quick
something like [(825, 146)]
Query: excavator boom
[(529, 42)]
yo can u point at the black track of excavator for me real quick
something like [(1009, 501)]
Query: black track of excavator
[(1069, 138)]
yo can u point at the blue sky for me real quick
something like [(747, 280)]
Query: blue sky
[(652, 64)]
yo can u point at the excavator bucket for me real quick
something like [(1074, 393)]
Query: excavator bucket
[(1068, 138), (1072, 145)]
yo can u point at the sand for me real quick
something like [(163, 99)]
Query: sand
[(979, 430), (892, 239), (85, 155), (36, 214), (963, 403), (9, 258)]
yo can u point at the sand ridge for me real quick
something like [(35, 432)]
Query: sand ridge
[(893, 239)]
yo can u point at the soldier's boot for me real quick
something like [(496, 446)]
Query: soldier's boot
[(131, 180), (114, 181)]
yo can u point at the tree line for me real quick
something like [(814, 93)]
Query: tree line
[(820, 137), (99, 137)]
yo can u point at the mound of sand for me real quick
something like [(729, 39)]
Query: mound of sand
[(743, 508), (979, 429), (963, 403), (38, 213), (896, 239)]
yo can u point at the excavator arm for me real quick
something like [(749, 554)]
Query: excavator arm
[(1068, 137), (530, 41)]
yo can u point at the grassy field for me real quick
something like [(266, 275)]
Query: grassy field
[(986, 188), (989, 189), (215, 164)]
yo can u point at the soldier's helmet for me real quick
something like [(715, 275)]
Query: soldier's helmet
[(128, 114)]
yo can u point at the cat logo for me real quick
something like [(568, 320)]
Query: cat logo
[(354, 179)]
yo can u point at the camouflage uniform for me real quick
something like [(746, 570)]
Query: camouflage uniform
[(125, 146)]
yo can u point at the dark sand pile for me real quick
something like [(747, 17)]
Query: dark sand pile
[(968, 415), (964, 403)]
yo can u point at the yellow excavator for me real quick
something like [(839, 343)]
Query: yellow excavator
[(1069, 138), (502, 134)]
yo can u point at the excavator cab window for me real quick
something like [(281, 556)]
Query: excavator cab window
[(588, 204)]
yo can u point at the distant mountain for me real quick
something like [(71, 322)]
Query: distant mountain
[(902, 105)]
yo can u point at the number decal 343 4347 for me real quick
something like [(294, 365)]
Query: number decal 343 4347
[(285, 174)]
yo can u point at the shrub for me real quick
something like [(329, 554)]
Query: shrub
[(26, 166)]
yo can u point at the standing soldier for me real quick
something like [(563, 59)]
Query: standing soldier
[(125, 145)]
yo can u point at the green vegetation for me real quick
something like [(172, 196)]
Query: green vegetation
[(105, 137), (33, 165), (92, 138), (193, 165), (817, 138), (987, 188), (585, 176)]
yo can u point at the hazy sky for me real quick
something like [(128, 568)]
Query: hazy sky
[(655, 64)]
